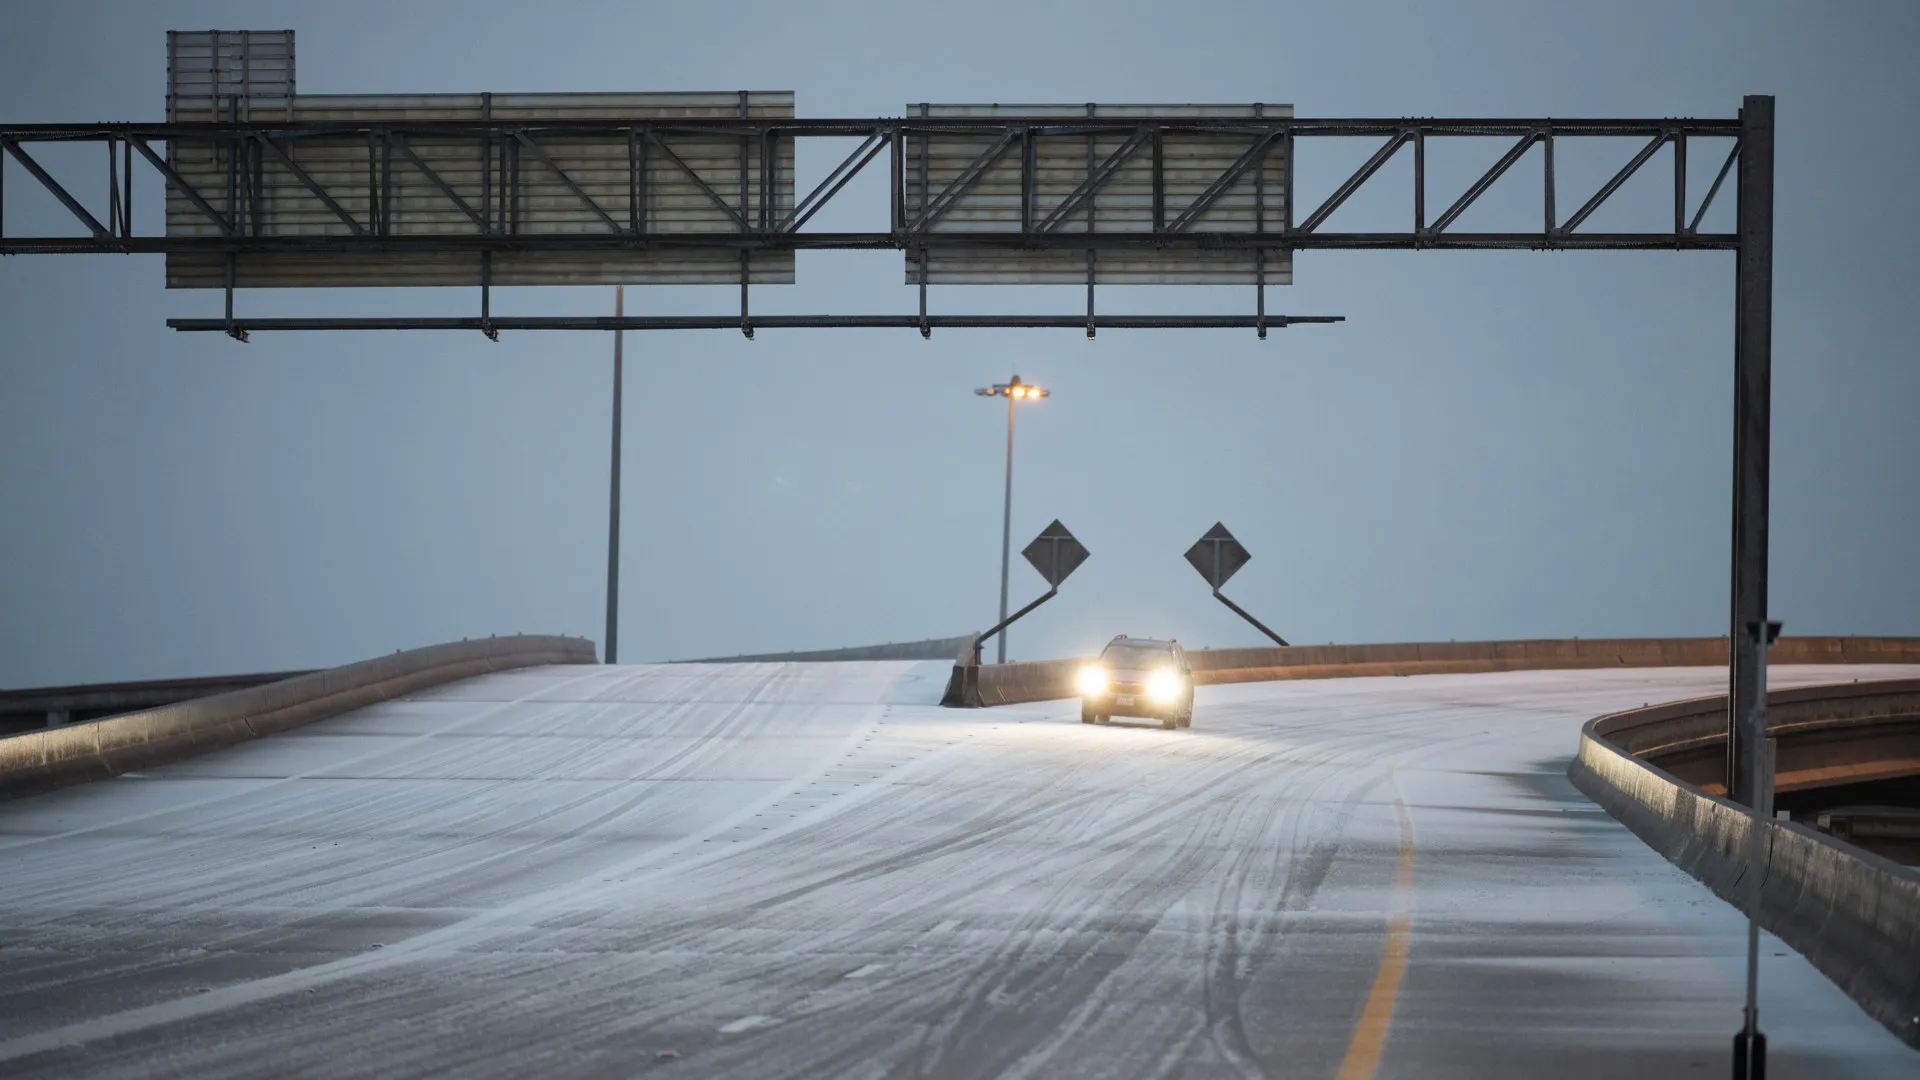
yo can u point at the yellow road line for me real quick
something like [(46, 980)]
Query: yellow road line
[(1363, 1053)]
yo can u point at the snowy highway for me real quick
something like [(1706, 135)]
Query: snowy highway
[(786, 870)]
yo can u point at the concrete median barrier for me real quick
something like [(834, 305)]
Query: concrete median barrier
[(973, 684), (76, 753), (929, 649), (1853, 914), (1270, 663), (1044, 680), (1011, 684)]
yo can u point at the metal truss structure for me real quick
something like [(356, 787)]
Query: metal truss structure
[(917, 224), (920, 227)]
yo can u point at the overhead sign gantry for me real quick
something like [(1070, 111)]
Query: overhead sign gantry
[(267, 187), (629, 188)]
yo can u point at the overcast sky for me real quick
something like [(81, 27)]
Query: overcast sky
[(1493, 445)]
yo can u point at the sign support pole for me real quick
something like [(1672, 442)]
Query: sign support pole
[(1749, 1045), (1218, 556), (1752, 435), (613, 490)]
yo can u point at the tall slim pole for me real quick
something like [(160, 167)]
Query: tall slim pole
[(1750, 1045), (613, 493), (1006, 530), (1752, 438)]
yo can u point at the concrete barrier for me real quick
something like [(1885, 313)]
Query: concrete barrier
[(1853, 914), (51, 706), (1010, 684), (1043, 680), (973, 684), (929, 649), (77, 753), (1824, 735), (1271, 663)]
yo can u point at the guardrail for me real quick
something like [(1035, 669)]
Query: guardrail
[(96, 750), (1853, 914), (1008, 684)]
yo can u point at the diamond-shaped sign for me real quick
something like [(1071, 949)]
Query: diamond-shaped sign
[(1055, 553), (1217, 555)]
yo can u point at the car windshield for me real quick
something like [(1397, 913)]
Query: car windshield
[(1137, 656)]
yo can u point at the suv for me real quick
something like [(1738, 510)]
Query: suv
[(1138, 677)]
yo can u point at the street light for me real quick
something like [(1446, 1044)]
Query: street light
[(1013, 391)]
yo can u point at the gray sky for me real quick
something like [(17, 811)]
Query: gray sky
[(1495, 445)]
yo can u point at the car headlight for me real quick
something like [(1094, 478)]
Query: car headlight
[(1163, 685), (1092, 681)]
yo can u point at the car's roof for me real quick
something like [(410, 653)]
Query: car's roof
[(1141, 643)]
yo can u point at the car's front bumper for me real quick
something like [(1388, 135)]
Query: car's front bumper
[(1139, 704)]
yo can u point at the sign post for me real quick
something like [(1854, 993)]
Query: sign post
[(1056, 554), (1218, 556)]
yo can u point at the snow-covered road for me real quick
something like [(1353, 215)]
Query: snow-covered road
[(774, 870)]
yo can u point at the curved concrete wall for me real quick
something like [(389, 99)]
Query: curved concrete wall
[(1041, 680), (930, 649), (1268, 663), (50, 706), (78, 753), (1854, 915), (1008, 684), (1825, 735)]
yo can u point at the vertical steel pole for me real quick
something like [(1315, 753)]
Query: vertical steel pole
[(1749, 1045), (1753, 381), (613, 493), (1006, 528)]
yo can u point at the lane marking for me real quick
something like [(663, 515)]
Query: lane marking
[(1370, 1035), (746, 1023)]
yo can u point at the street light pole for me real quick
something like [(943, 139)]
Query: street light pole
[(1006, 528), (1013, 391)]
